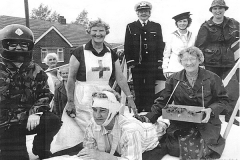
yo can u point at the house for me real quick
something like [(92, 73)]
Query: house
[(57, 37)]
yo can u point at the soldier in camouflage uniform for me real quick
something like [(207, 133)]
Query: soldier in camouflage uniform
[(24, 98)]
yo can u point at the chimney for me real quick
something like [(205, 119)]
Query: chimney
[(62, 20)]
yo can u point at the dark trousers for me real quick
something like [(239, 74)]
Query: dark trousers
[(144, 86), (13, 140)]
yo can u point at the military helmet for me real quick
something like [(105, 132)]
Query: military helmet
[(219, 3), (18, 34)]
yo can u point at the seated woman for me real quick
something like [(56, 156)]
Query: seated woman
[(112, 132), (193, 140)]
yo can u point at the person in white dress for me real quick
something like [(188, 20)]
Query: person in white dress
[(180, 39), (91, 67)]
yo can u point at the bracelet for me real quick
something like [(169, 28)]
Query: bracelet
[(130, 96)]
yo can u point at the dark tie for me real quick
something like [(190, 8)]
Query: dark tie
[(144, 24)]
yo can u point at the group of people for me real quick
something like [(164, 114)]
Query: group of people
[(87, 117)]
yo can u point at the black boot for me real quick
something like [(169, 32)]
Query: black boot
[(42, 154)]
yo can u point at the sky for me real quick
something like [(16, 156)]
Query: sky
[(118, 13)]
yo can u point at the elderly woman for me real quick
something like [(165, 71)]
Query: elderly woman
[(60, 94), (180, 39), (54, 78), (215, 38), (186, 139), (91, 67)]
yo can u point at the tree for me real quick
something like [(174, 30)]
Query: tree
[(54, 17), (82, 18), (44, 13)]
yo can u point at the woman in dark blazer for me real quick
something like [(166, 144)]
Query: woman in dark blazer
[(189, 140)]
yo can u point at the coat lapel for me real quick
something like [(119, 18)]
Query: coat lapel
[(62, 89)]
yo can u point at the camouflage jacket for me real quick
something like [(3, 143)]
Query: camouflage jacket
[(23, 91)]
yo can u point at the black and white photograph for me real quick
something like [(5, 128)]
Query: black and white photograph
[(119, 79)]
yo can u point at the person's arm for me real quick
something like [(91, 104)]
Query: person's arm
[(122, 82), (131, 146), (160, 102), (166, 56), (221, 98), (90, 150), (202, 38), (56, 104), (41, 104), (73, 69), (160, 46), (128, 47)]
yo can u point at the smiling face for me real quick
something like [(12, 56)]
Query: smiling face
[(64, 73), (218, 12), (144, 14), (182, 24), (52, 61), (98, 34), (100, 115), (190, 62)]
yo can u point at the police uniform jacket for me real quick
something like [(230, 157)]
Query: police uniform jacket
[(143, 44)]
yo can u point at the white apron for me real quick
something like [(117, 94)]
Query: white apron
[(98, 73)]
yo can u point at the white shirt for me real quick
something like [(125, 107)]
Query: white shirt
[(177, 42), (143, 22)]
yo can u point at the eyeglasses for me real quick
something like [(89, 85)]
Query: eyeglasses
[(189, 59), (21, 44)]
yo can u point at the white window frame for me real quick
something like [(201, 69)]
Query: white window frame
[(59, 52)]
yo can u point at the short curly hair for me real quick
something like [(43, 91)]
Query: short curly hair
[(46, 59), (97, 23), (192, 51)]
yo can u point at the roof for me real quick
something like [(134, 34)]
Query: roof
[(71, 33)]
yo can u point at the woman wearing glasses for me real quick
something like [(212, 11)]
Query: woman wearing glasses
[(189, 140)]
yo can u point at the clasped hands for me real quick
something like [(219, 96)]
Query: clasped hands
[(93, 154)]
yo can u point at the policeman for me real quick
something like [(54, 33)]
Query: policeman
[(144, 52), (24, 98)]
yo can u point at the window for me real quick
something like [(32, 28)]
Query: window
[(58, 51)]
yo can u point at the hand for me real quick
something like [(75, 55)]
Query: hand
[(142, 118), (91, 154), (166, 74), (131, 105), (132, 66), (208, 112), (33, 121), (70, 109)]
